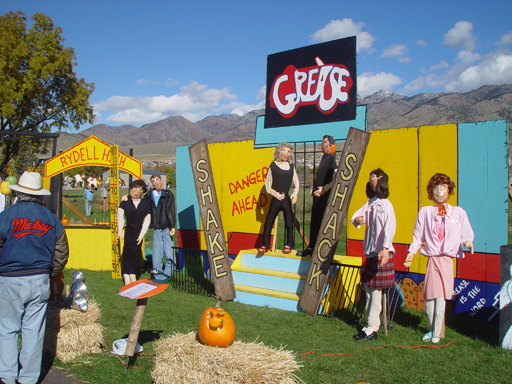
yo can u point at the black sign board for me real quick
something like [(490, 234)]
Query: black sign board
[(313, 84)]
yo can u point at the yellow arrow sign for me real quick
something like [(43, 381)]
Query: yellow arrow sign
[(91, 151)]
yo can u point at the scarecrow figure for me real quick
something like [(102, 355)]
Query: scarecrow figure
[(379, 272), (442, 230), (281, 174)]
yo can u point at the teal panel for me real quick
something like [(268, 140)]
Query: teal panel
[(187, 207), (483, 181), (309, 132)]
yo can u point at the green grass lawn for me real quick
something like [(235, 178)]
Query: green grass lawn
[(323, 345)]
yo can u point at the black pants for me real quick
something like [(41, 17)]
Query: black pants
[(317, 214), (276, 205)]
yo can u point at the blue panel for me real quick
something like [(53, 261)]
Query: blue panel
[(267, 301), (492, 304), (310, 132), (483, 181), (275, 283), (186, 198), (469, 296)]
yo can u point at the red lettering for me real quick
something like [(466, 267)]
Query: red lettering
[(232, 188), (235, 208), (245, 182), (122, 160), (63, 161), (106, 153), (82, 155), (94, 152), (76, 156)]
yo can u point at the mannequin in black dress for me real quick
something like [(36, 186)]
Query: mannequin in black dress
[(281, 175), (138, 217)]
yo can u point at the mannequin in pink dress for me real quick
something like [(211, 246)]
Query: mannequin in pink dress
[(442, 230)]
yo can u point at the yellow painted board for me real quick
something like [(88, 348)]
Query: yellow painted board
[(89, 247), (239, 172), (396, 153), (437, 154), (343, 290)]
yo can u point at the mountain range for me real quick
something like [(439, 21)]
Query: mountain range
[(386, 110)]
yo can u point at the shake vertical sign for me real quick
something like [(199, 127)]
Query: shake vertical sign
[(211, 220), (339, 199), (114, 203)]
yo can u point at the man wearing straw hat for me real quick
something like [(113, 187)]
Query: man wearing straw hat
[(33, 249)]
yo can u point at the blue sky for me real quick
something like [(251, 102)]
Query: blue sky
[(153, 59)]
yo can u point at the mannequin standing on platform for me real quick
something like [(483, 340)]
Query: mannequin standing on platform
[(280, 176)]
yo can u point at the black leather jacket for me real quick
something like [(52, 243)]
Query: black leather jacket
[(162, 216)]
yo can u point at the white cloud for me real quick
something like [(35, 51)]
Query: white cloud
[(394, 50), (195, 101), (421, 43), (338, 29), (262, 93), (146, 82), (506, 39), (494, 69), (170, 82), (460, 36), (442, 64), (397, 51), (369, 83), (470, 72)]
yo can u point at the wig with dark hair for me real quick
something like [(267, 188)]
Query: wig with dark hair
[(277, 152), (382, 187), (439, 179), (139, 183), (369, 191), (330, 139)]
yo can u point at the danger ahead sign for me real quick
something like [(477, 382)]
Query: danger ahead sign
[(91, 151)]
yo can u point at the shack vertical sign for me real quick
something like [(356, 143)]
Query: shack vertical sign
[(337, 206), (212, 223), (313, 84)]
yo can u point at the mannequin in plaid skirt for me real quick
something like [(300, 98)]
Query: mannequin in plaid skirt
[(379, 273)]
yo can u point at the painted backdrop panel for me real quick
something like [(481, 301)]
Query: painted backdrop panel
[(483, 175), (396, 152)]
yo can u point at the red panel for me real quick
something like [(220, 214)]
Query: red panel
[(492, 267), (472, 267), (189, 238), (238, 241), (355, 248), (400, 256)]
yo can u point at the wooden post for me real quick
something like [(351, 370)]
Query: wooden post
[(385, 310), (135, 328), (114, 203), (211, 220), (339, 199)]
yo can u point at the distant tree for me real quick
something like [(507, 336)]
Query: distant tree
[(171, 175), (39, 90)]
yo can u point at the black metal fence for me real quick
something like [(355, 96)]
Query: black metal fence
[(192, 273)]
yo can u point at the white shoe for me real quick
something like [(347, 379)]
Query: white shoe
[(428, 337), (436, 340)]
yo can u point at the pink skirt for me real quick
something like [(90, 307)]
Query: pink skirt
[(439, 278)]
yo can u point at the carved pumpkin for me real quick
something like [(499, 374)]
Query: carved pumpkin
[(64, 220), (216, 328)]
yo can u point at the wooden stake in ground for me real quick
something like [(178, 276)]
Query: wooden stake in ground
[(385, 310), (134, 329)]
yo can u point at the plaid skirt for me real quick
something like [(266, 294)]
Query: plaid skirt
[(377, 277)]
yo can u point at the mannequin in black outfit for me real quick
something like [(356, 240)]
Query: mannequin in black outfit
[(281, 174), (322, 184)]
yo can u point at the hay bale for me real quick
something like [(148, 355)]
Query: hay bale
[(71, 333), (183, 359)]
